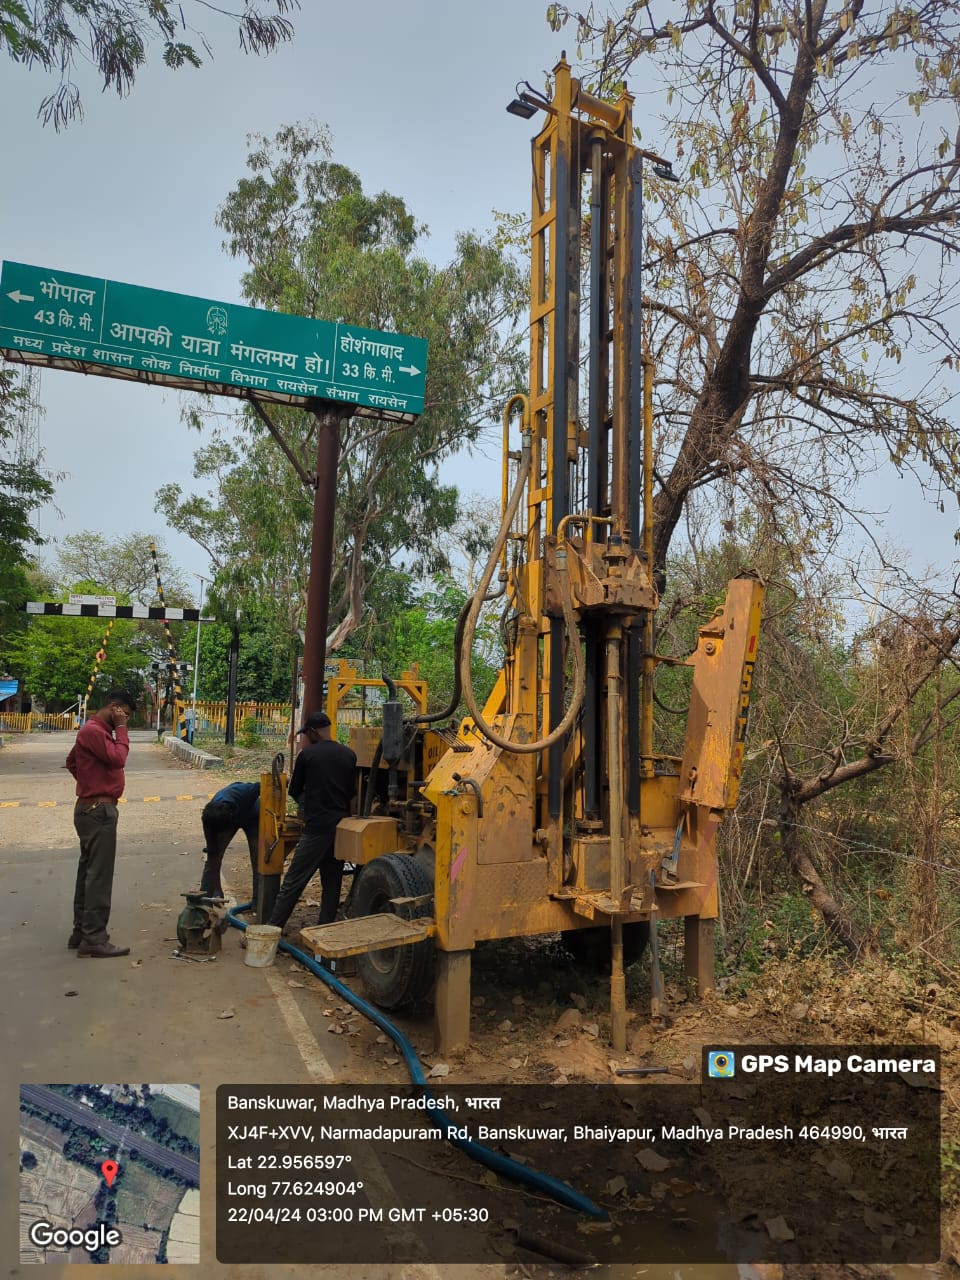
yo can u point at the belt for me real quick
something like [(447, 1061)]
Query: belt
[(92, 800)]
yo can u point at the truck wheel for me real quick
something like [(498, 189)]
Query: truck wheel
[(398, 975), (590, 948)]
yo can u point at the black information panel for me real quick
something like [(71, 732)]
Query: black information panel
[(796, 1154)]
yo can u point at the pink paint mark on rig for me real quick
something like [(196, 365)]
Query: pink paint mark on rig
[(753, 644), (457, 865)]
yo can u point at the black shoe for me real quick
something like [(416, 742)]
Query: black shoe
[(102, 950)]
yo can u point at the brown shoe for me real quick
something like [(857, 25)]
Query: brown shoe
[(103, 950), (77, 937)]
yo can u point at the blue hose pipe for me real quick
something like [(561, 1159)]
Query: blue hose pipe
[(500, 1164)]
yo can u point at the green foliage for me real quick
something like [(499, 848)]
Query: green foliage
[(316, 244), (23, 489), (115, 35), (782, 927), (419, 630), (249, 733), (254, 522), (264, 670), (54, 657)]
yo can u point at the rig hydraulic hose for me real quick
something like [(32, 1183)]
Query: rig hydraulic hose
[(500, 1164), (436, 716), (580, 678)]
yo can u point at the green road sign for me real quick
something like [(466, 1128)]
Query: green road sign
[(89, 325)]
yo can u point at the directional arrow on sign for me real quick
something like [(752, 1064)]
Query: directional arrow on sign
[(409, 368), (17, 296)]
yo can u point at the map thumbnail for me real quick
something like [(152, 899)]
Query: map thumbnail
[(109, 1173)]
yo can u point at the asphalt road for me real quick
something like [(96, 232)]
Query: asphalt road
[(150, 1018), (145, 1017)]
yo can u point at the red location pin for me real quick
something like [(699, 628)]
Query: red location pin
[(109, 1169)]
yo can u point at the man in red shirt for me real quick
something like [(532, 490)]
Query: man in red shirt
[(96, 761)]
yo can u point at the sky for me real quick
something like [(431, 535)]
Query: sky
[(414, 97)]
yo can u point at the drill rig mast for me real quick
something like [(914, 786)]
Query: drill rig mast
[(550, 809)]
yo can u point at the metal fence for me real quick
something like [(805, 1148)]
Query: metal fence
[(40, 721), (265, 719), (269, 719)]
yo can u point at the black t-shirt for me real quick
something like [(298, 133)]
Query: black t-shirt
[(324, 780)]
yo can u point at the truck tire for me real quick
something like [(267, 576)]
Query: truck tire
[(398, 975)]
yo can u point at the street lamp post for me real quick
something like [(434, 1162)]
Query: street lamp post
[(196, 660)]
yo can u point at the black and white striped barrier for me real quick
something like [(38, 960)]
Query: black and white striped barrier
[(151, 613)]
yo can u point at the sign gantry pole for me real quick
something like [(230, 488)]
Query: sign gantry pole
[(329, 417)]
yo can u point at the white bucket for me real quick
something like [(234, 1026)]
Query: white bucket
[(262, 940)]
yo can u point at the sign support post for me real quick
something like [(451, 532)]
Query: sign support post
[(329, 417)]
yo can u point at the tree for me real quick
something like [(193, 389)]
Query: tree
[(850, 778), (420, 630), (121, 566), (264, 668), (55, 656), (23, 489), (801, 276), (254, 524), (116, 34), (904, 690), (468, 541), (317, 245), (798, 286)]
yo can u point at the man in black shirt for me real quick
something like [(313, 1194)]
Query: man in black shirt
[(323, 782)]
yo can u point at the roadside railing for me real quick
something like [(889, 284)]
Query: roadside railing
[(36, 721), (269, 719), (272, 719)]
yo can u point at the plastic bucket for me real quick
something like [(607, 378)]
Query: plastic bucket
[(262, 940)]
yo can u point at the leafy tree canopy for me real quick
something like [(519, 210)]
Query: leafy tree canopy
[(23, 488), (55, 657), (264, 667), (121, 565), (115, 36), (316, 244)]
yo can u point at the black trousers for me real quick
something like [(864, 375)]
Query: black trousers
[(215, 846), (314, 852), (96, 825)]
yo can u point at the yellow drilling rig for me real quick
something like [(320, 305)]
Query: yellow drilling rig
[(549, 808)]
